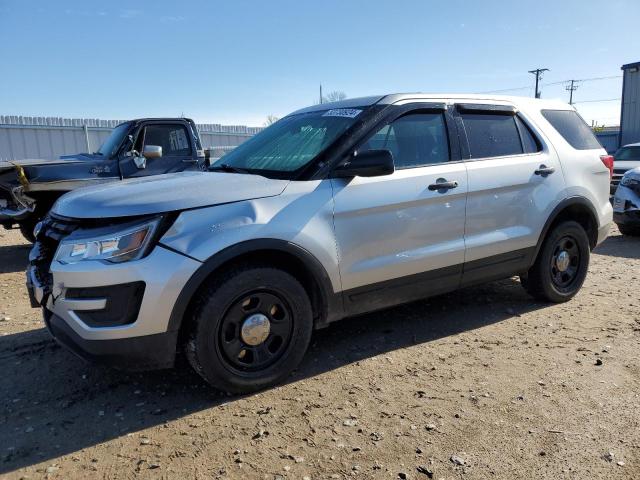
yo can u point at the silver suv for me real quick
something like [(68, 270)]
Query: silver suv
[(335, 210)]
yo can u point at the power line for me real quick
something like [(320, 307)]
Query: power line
[(561, 82), (593, 79), (602, 100)]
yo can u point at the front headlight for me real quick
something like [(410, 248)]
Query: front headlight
[(127, 244), (627, 181)]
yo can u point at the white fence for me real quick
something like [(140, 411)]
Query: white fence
[(50, 137)]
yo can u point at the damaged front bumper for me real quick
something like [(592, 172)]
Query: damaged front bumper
[(626, 205), (15, 206), (116, 314)]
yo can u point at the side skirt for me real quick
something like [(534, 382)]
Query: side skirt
[(436, 282)]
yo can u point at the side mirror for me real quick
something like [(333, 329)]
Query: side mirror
[(370, 163), (152, 151)]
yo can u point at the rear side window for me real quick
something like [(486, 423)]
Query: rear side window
[(572, 128), (492, 135), (414, 140), (173, 139)]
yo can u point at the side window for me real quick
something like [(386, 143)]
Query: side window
[(492, 134), (530, 142), (415, 139), (572, 128), (173, 139)]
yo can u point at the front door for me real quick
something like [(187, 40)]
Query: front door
[(514, 182), (177, 151), (400, 237)]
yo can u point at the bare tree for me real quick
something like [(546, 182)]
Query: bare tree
[(334, 96), (271, 119)]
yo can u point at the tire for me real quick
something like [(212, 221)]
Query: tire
[(26, 228), (222, 347), (557, 277), (630, 231)]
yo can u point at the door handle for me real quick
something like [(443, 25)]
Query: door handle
[(543, 170), (442, 185)]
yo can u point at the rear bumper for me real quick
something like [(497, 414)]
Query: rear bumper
[(148, 352)]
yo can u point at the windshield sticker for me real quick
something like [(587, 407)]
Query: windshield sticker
[(342, 112)]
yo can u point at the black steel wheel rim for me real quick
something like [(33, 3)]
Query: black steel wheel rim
[(235, 351), (565, 262)]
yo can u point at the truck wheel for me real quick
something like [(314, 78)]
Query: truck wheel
[(26, 229), (250, 328), (561, 266), (629, 231)]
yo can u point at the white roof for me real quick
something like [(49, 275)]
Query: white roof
[(398, 97)]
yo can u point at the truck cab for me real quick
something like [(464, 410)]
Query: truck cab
[(136, 148)]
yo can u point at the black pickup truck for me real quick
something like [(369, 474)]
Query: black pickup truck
[(137, 148)]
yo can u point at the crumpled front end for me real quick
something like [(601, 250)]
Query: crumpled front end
[(114, 313), (626, 202), (15, 205)]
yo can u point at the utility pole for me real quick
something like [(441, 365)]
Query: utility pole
[(571, 88), (538, 73), (320, 93)]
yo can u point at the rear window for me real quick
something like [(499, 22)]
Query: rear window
[(572, 128), (628, 153)]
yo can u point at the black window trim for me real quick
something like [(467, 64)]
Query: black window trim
[(539, 143), (486, 108), (490, 109)]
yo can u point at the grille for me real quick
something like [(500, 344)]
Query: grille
[(53, 230)]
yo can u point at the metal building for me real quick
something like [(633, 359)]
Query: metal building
[(50, 137), (608, 138), (630, 111)]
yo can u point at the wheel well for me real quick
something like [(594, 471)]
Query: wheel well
[(583, 215), (283, 260)]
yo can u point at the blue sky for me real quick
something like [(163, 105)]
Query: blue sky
[(235, 62)]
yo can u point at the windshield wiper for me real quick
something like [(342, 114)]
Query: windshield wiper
[(225, 167)]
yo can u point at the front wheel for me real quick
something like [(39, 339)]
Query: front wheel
[(26, 228), (561, 266), (250, 328)]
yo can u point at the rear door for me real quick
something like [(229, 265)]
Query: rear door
[(399, 237), (178, 151), (515, 180)]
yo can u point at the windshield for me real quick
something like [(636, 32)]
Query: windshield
[(289, 144), (628, 153), (114, 140)]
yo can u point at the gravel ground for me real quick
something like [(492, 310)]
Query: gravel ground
[(481, 383)]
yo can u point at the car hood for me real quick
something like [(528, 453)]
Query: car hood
[(625, 165), (165, 193)]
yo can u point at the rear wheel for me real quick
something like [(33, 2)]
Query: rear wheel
[(561, 266), (630, 231), (250, 329)]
